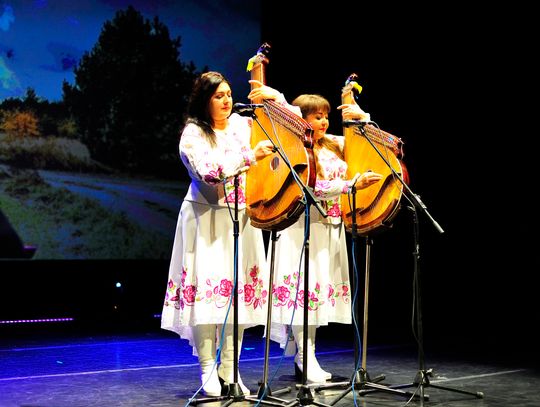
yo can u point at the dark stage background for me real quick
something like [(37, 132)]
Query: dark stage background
[(441, 79)]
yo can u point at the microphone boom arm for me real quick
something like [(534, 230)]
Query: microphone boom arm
[(414, 197), (308, 193)]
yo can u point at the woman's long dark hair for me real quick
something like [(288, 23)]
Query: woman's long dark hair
[(198, 109)]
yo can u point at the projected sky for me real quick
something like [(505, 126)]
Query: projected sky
[(41, 41)]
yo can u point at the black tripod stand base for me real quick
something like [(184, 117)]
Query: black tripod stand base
[(266, 396), (347, 384), (477, 394), (422, 381), (264, 390), (371, 387), (363, 385), (304, 398), (231, 392), (194, 402)]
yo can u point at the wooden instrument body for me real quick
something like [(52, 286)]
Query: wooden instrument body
[(376, 205), (274, 200)]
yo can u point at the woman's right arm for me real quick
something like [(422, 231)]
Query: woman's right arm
[(353, 112), (208, 164), (262, 92)]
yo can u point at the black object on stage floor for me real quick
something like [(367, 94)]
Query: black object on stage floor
[(11, 245)]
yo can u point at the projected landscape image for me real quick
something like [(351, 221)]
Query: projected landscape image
[(92, 96)]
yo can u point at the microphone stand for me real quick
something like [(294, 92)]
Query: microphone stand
[(265, 394), (421, 380), (304, 396), (422, 377), (234, 392), (360, 380)]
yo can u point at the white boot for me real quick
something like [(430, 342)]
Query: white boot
[(204, 339), (226, 367), (315, 374), (326, 374)]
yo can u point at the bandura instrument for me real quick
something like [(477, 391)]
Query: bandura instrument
[(376, 205), (274, 200)]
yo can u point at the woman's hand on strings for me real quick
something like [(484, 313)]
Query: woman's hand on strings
[(367, 178), (261, 91), (263, 149)]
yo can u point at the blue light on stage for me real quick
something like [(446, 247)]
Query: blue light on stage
[(33, 321)]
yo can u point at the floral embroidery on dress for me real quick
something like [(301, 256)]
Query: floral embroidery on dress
[(254, 293), (321, 187), (333, 208), (172, 294), (229, 190), (283, 294), (246, 151), (331, 185), (217, 292), (337, 291), (178, 297), (214, 176)]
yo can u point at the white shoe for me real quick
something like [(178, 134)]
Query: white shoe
[(314, 375), (315, 365), (226, 378), (226, 367), (211, 385), (204, 339)]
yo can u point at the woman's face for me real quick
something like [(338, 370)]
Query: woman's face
[(221, 103), (319, 122)]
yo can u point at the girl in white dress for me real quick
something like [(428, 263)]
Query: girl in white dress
[(329, 285), (214, 147)]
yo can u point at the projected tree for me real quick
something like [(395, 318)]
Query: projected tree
[(130, 93)]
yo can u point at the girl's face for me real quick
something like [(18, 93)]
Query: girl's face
[(319, 122), (221, 103)]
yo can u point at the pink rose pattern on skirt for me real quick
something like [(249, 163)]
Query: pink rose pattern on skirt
[(253, 293), (283, 295)]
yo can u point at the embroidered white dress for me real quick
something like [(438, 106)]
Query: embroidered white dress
[(201, 273), (329, 286)]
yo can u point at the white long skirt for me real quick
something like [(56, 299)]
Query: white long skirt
[(329, 285), (201, 273)]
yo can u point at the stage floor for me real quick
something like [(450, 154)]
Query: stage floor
[(155, 368)]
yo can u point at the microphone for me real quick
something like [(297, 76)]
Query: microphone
[(353, 181), (240, 171), (243, 108), (356, 123)]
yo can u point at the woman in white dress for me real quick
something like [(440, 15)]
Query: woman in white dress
[(214, 147), (329, 285)]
